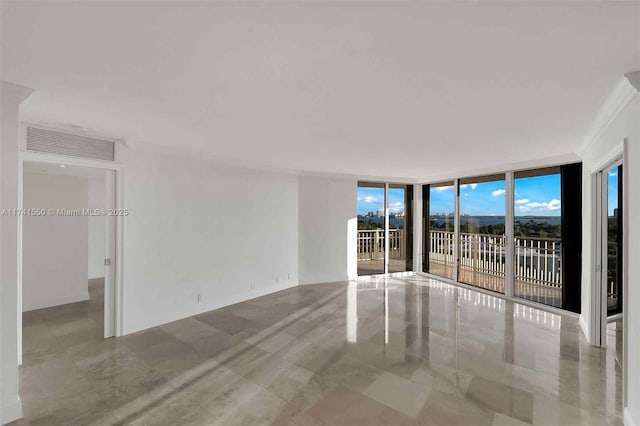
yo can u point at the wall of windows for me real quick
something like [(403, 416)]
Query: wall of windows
[(516, 233)]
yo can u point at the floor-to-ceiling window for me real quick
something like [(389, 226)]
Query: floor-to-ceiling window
[(482, 232), (400, 227), (383, 207), (371, 222), (538, 235), (439, 237)]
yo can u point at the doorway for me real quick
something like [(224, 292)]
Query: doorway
[(385, 228), (610, 259), (612, 250), (67, 253)]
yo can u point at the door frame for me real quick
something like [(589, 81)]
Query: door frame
[(599, 309), (116, 315), (415, 224), (598, 268)]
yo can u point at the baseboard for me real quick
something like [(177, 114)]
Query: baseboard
[(10, 411), (627, 420), (585, 328), (57, 300)]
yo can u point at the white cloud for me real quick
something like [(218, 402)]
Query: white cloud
[(397, 207), (613, 173), (443, 188), (554, 205), (525, 206), (498, 192), (471, 185), (368, 199)]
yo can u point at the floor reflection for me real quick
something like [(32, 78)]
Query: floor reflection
[(402, 351)]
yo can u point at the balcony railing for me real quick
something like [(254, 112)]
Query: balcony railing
[(371, 244), (538, 265)]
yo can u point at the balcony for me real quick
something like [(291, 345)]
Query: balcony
[(371, 251), (538, 263)]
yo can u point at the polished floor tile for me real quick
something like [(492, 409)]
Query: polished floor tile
[(394, 351)]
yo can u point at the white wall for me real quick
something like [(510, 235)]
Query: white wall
[(96, 228), (54, 247), (226, 233), (626, 125), (328, 226)]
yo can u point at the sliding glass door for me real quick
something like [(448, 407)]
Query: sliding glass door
[(371, 223), (400, 227), (538, 235), (482, 232), (439, 236), (385, 228)]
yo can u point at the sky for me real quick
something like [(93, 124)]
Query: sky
[(612, 187), (372, 199), (535, 196)]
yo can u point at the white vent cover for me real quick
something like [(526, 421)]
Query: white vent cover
[(67, 144)]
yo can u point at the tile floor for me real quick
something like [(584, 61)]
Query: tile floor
[(400, 351)]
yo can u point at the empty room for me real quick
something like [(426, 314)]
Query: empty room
[(320, 213)]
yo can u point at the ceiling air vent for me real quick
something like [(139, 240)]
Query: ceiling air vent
[(67, 144)]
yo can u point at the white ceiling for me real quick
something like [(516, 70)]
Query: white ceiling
[(377, 89)]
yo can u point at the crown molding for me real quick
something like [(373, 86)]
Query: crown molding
[(634, 79), (14, 92), (625, 90)]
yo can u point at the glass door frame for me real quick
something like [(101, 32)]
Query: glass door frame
[(409, 205), (385, 206)]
